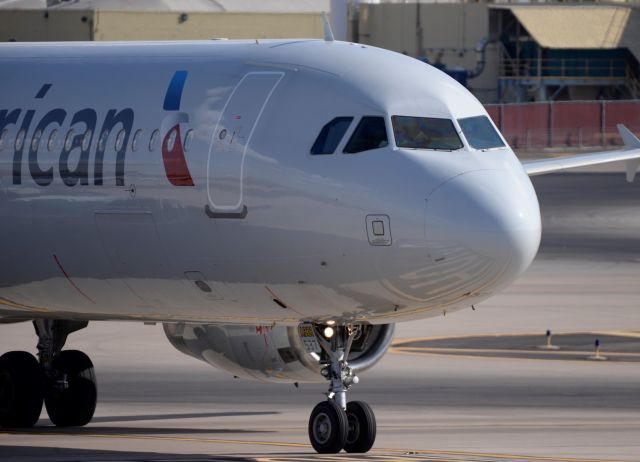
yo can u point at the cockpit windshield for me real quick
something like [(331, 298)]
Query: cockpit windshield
[(480, 133), (425, 133)]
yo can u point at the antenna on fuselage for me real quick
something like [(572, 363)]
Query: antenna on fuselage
[(328, 33)]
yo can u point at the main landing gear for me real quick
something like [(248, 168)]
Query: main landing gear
[(63, 380), (335, 424)]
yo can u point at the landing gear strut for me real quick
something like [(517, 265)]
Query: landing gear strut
[(63, 380), (335, 424)]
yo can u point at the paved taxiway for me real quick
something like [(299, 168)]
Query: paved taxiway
[(156, 404)]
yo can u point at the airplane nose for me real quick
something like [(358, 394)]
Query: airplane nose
[(489, 216)]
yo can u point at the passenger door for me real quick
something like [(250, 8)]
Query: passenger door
[(231, 139)]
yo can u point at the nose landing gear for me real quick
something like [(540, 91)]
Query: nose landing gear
[(335, 424), (63, 380)]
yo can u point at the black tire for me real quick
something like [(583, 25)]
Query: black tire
[(74, 404), (21, 385), (328, 428), (361, 432)]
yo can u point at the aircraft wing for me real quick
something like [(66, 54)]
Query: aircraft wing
[(630, 154)]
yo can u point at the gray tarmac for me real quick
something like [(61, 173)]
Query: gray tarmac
[(157, 404)]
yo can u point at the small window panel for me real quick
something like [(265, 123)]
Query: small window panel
[(35, 140), (3, 135), (188, 140), (86, 140), (377, 227), (119, 140), (136, 139), (371, 133), (171, 141), (68, 140), (425, 133), (20, 140), (331, 135), (152, 139), (480, 133), (378, 230), (51, 143), (102, 142)]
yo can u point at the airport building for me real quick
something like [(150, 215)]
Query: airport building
[(503, 51), (529, 62), (517, 51), (51, 20)]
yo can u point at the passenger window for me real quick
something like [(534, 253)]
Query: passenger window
[(35, 140), (331, 135), (3, 135), (188, 139), (136, 139), (68, 140), (52, 140), (86, 140), (102, 141), (371, 133), (119, 140), (152, 139), (20, 140), (172, 139)]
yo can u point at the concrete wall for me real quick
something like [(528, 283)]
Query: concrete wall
[(62, 25), (454, 27), (167, 25), (40, 25)]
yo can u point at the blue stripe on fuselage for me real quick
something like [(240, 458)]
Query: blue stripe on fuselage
[(174, 91)]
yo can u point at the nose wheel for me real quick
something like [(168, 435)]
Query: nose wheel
[(328, 427), (334, 424), (361, 433)]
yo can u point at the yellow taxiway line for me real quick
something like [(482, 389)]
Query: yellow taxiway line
[(374, 452)]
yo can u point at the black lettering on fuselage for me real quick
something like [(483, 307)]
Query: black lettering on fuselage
[(43, 177), (118, 121), (70, 176), (18, 148), (113, 118), (9, 118)]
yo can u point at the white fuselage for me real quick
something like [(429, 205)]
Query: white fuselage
[(105, 220)]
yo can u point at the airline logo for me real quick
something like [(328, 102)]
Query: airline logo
[(77, 141), (175, 164)]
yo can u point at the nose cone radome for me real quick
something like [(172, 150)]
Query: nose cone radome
[(486, 220)]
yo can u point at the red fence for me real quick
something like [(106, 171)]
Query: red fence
[(565, 124)]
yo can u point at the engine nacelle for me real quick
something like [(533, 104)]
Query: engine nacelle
[(273, 354)]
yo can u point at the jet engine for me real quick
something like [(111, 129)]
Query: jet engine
[(273, 354)]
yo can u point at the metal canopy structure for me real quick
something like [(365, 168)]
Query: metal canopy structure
[(551, 51)]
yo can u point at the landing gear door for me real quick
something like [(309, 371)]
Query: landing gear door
[(230, 142)]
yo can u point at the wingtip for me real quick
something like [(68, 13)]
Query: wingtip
[(630, 140)]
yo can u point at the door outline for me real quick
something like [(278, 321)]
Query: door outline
[(238, 210)]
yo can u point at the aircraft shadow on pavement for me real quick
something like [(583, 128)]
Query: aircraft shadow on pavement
[(57, 454), (192, 415), (108, 431)]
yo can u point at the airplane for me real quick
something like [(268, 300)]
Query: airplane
[(278, 205)]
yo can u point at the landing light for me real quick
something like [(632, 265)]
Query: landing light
[(328, 332)]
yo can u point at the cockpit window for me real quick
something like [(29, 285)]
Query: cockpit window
[(480, 133), (371, 133), (425, 133), (330, 135)]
